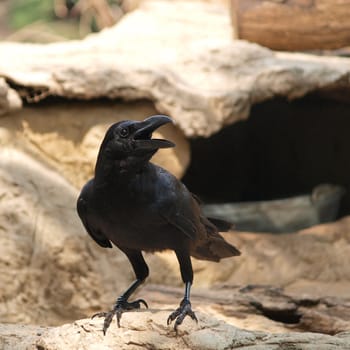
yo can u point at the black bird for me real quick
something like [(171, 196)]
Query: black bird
[(139, 206)]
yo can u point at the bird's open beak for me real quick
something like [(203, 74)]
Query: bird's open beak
[(143, 134)]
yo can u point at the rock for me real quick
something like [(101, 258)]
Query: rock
[(19, 337), (67, 135), (44, 258), (229, 317), (202, 78), (313, 260), (281, 215), (9, 99), (51, 271), (147, 329), (260, 308)]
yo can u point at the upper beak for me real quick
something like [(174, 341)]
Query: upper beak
[(143, 134)]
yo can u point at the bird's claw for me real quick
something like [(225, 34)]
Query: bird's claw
[(180, 313), (125, 305), (99, 314), (121, 306)]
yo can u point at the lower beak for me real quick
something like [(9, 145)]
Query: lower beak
[(144, 132)]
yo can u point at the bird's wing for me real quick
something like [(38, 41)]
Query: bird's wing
[(221, 225), (183, 212), (182, 223), (96, 235), (208, 243)]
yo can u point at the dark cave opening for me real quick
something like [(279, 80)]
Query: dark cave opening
[(288, 316), (283, 149)]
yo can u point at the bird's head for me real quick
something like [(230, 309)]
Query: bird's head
[(129, 144)]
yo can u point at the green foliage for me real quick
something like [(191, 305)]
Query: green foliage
[(24, 12), (44, 23)]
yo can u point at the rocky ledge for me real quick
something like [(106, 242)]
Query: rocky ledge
[(148, 330)]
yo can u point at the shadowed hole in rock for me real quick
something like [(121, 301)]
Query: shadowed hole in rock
[(284, 149), (288, 316)]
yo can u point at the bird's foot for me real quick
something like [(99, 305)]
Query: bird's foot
[(120, 306), (180, 313)]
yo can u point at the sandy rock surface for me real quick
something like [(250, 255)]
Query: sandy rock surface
[(66, 136), (147, 330)]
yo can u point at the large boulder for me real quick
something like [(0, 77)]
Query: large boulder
[(202, 78), (51, 271)]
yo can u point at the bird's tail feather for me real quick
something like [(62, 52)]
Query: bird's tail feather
[(215, 249)]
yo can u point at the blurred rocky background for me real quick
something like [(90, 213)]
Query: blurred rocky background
[(262, 138)]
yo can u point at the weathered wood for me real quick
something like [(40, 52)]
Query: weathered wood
[(293, 24)]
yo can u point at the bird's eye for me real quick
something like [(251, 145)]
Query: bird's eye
[(124, 132)]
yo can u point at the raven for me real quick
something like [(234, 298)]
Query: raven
[(140, 206)]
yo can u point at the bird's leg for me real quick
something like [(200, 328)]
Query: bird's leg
[(122, 304), (183, 310), (185, 305)]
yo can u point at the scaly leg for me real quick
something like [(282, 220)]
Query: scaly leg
[(185, 305)]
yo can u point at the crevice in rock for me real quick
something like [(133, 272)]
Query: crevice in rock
[(30, 94), (287, 316)]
